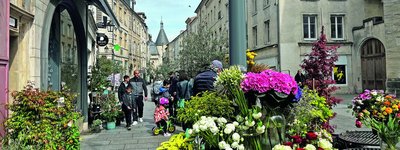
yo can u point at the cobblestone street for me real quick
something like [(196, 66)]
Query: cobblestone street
[(139, 138)]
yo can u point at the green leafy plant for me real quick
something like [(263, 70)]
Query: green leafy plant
[(388, 131), (209, 104), (42, 119), (96, 123), (110, 107), (309, 114), (104, 68), (177, 141)]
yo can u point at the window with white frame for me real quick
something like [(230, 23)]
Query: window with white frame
[(267, 33), (255, 36), (337, 27), (310, 27)]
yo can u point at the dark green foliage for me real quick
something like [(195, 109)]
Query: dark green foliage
[(104, 68)]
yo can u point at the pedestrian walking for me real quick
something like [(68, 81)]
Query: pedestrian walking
[(129, 107), (122, 87), (204, 81), (139, 89), (173, 91), (184, 88), (165, 94), (155, 90), (300, 78)]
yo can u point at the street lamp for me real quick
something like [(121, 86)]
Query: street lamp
[(110, 28)]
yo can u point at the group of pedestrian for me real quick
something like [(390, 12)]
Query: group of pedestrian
[(130, 96)]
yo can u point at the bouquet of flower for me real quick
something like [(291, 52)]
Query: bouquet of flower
[(217, 132), (380, 112), (269, 80), (310, 141)]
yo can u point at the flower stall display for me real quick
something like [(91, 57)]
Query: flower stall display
[(380, 112)]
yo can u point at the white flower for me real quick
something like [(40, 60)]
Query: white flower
[(196, 128), (261, 129), (310, 147), (61, 99), (227, 147), (241, 139), (359, 102), (228, 130), (214, 129), (241, 147), (257, 115), (190, 131), (249, 124), (236, 137), (281, 147), (70, 123), (235, 145), (380, 99), (203, 127), (203, 118), (324, 144), (221, 145), (374, 93), (235, 123), (231, 126), (245, 127), (239, 118)]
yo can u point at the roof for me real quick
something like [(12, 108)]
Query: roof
[(153, 48), (162, 37)]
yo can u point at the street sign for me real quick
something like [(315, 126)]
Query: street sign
[(117, 47), (102, 39)]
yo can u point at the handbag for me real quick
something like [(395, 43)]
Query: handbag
[(181, 102)]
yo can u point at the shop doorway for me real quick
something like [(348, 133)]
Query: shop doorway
[(373, 65)]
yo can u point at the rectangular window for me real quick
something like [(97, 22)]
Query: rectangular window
[(267, 32), (254, 6), (337, 27), (310, 27), (255, 36), (266, 2)]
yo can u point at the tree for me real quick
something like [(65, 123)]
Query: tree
[(104, 68), (319, 66), (200, 48)]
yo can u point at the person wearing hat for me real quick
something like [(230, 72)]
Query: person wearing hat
[(204, 81)]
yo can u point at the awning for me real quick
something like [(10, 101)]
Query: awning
[(104, 7)]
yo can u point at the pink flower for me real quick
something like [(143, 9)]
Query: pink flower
[(358, 123), (269, 80)]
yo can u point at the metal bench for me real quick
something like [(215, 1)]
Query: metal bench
[(358, 140)]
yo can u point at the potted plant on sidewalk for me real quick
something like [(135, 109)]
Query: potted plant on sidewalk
[(96, 126), (110, 109)]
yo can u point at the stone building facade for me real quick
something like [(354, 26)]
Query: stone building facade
[(49, 41), (132, 36), (282, 32)]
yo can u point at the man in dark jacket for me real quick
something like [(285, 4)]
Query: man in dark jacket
[(139, 88), (173, 91), (204, 81), (122, 87)]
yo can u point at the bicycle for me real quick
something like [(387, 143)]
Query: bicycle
[(170, 128)]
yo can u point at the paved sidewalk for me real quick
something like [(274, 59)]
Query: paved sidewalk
[(139, 138)]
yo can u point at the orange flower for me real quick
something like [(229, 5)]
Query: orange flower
[(386, 103), (388, 96), (388, 110)]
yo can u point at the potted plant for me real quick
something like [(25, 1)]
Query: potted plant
[(96, 126), (110, 109)]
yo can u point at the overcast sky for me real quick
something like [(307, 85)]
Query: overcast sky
[(173, 12)]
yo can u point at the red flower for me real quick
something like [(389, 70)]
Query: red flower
[(311, 135), (299, 148), (296, 138), (319, 148), (288, 144)]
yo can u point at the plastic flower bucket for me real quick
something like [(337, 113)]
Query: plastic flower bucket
[(110, 125)]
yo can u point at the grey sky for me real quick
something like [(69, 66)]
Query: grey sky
[(173, 13)]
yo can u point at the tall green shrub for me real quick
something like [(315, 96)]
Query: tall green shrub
[(42, 120), (208, 104)]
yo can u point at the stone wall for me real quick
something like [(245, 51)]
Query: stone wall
[(392, 37)]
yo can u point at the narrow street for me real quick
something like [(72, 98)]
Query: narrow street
[(139, 138)]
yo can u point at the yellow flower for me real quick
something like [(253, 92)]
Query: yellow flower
[(388, 110), (384, 113), (395, 107)]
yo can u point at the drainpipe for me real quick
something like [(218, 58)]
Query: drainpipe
[(237, 33), (278, 35)]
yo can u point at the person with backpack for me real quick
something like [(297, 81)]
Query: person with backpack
[(155, 93), (184, 89)]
